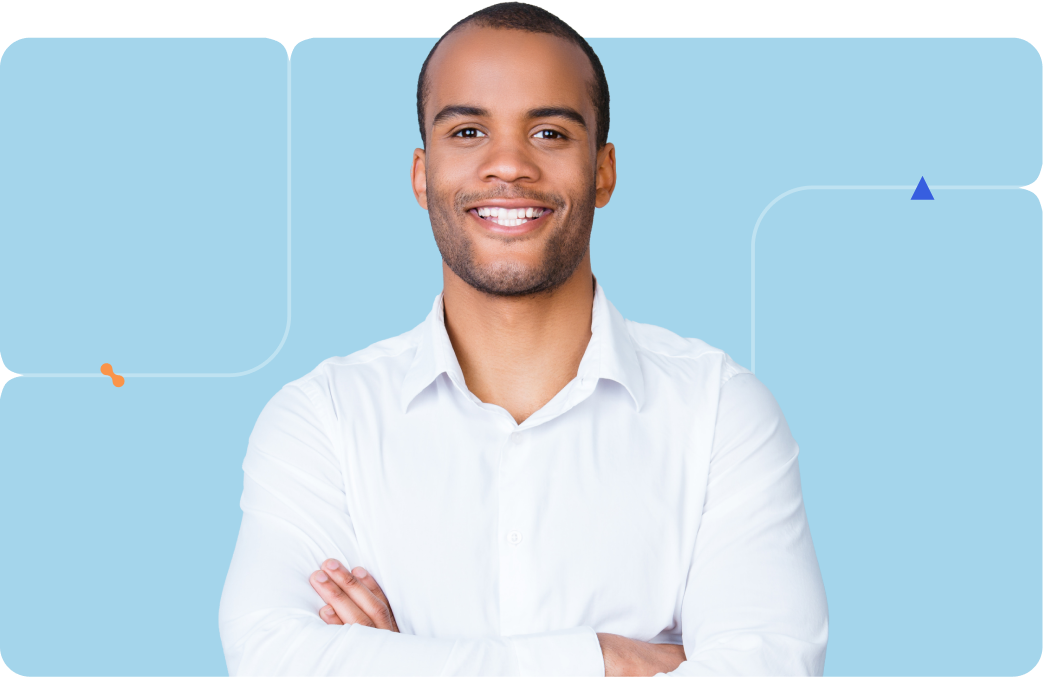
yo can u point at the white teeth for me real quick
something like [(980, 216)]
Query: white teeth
[(510, 217)]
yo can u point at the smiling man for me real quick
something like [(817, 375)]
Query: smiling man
[(526, 483)]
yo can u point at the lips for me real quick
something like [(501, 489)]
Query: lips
[(509, 217)]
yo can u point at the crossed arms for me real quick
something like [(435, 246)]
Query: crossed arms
[(753, 603), (355, 597)]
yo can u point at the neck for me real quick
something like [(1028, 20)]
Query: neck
[(519, 352)]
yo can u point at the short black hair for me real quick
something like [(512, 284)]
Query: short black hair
[(524, 17)]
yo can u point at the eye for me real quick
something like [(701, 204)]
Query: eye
[(549, 134), (468, 133)]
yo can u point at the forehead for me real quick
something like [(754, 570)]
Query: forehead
[(476, 63)]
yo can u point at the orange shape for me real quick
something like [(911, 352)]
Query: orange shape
[(117, 380)]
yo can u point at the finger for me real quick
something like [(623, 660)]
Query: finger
[(332, 594), (327, 614), (371, 583), (363, 598)]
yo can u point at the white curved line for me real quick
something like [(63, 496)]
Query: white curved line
[(285, 333), (756, 227)]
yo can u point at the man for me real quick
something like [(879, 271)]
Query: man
[(526, 483)]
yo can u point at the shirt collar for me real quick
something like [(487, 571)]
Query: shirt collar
[(610, 354)]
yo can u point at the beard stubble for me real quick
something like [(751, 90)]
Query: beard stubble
[(564, 249)]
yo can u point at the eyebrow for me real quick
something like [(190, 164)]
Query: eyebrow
[(559, 112), (459, 111), (546, 112)]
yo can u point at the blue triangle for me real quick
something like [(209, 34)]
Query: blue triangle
[(922, 192)]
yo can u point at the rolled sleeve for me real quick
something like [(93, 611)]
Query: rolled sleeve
[(575, 651)]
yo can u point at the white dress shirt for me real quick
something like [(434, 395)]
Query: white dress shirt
[(656, 496)]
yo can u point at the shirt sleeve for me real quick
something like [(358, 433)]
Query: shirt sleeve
[(295, 517), (754, 603)]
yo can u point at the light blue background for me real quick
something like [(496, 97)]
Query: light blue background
[(901, 338)]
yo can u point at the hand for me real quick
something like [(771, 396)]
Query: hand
[(626, 657), (351, 597)]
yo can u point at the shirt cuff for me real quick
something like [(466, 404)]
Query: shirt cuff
[(575, 651)]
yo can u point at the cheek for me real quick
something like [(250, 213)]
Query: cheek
[(439, 196), (573, 176), (451, 171)]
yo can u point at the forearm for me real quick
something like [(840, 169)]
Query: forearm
[(755, 653), (270, 624), (293, 642), (290, 641)]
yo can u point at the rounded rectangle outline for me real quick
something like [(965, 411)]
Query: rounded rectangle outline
[(6, 375), (756, 228)]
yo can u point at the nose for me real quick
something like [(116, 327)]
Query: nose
[(509, 159)]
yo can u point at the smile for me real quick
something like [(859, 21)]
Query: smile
[(510, 218)]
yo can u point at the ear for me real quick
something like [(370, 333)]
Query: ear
[(606, 175), (418, 173)]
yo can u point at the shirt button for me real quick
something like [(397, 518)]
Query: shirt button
[(514, 537)]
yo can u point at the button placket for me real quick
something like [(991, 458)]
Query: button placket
[(512, 516)]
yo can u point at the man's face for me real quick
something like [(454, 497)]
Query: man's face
[(511, 173)]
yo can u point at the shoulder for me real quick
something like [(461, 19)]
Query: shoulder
[(380, 362), (299, 422), (680, 355), (373, 374)]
